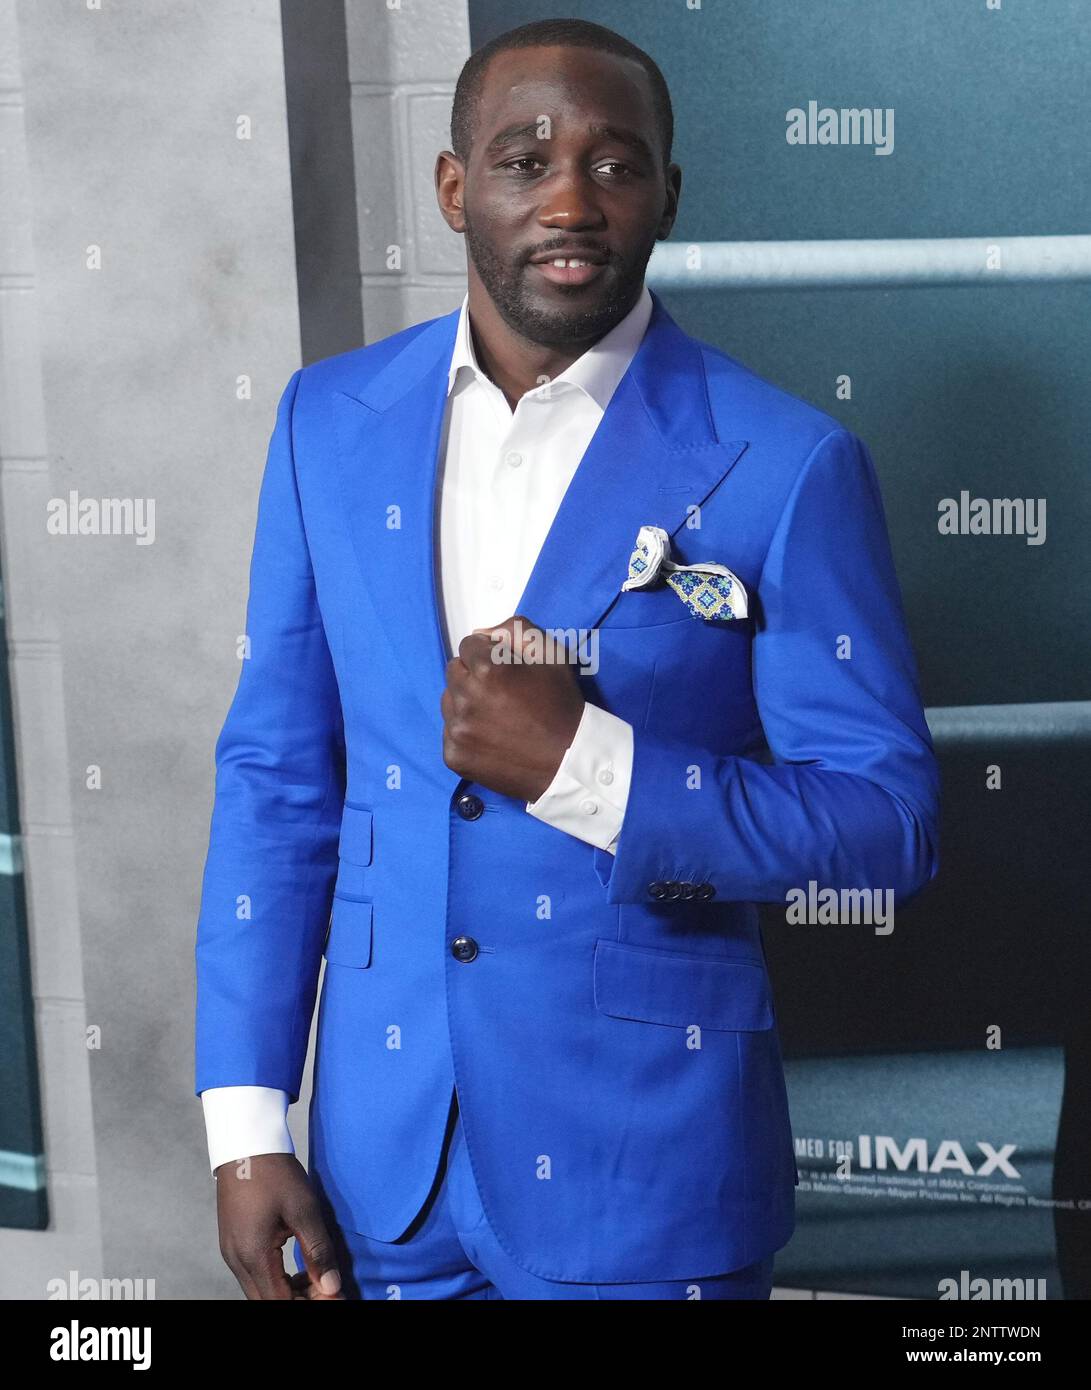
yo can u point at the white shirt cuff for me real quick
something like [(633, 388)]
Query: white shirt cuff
[(241, 1121), (589, 791)]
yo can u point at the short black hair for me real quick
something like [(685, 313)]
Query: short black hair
[(547, 33)]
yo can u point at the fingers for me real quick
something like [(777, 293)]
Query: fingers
[(304, 1291), (490, 646), (269, 1275), (260, 1272), (318, 1254), (266, 1279), (476, 648)]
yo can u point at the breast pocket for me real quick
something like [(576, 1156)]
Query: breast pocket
[(650, 986), (651, 607)]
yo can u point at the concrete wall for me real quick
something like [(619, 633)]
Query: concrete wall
[(120, 129)]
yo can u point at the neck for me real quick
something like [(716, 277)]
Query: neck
[(513, 362)]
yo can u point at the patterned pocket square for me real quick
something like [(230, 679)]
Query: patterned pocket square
[(708, 590)]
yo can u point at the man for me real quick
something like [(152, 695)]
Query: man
[(547, 1062)]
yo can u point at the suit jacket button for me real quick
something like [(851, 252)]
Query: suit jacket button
[(464, 948), (657, 889), (689, 890), (469, 807), (674, 891), (705, 891)]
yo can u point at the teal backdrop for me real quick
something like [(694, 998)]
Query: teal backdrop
[(980, 993)]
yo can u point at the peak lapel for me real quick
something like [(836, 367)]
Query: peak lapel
[(654, 455), (388, 451)]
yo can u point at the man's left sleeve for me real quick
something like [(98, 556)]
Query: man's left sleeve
[(851, 798), (589, 790)]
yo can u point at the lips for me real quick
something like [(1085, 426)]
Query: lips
[(559, 269)]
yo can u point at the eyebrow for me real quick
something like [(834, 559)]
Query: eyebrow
[(511, 134), (626, 137)]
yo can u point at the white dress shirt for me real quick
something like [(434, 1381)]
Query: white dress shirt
[(501, 479)]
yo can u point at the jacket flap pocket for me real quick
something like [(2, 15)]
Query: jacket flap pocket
[(354, 845), (655, 986), (348, 941)]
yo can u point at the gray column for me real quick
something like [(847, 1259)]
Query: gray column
[(404, 60)]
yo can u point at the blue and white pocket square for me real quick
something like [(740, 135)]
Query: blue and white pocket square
[(708, 590)]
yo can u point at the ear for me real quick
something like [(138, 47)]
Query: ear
[(673, 194), (450, 181)]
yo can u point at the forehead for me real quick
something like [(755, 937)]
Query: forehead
[(578, 82)]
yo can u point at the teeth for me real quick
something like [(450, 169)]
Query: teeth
[(562, 263)]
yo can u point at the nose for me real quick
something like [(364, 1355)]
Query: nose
[(571, 203)]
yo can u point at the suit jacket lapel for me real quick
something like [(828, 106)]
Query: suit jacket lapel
[(389, 437), (654, 455)]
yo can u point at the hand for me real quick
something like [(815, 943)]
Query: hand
[(262, 1202), (507, 723), (304, 1291)]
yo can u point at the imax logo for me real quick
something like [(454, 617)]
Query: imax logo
[(881, 1151)]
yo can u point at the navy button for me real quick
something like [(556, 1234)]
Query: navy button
[(705, 891), (689, 890), (674, 891), (657, 890), (464, 948), (468, 806)]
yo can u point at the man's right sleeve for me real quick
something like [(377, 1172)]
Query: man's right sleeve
[(279, 793), (242, 1121)]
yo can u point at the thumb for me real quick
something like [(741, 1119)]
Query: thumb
[(317, 1251)]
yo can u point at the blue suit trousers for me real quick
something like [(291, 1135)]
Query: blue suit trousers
[(450, 1252)]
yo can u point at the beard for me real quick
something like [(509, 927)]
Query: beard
[(507, 282)]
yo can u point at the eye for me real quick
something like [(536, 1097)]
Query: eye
[(523, 159), (616, 164)]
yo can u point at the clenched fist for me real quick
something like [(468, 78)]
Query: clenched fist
[(511, 708)]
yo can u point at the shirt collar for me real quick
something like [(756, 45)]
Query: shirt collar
[(596, 372)]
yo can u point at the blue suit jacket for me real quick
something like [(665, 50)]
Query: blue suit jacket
[(615, 1054)]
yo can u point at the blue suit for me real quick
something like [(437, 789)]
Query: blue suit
[(613, 1041)]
